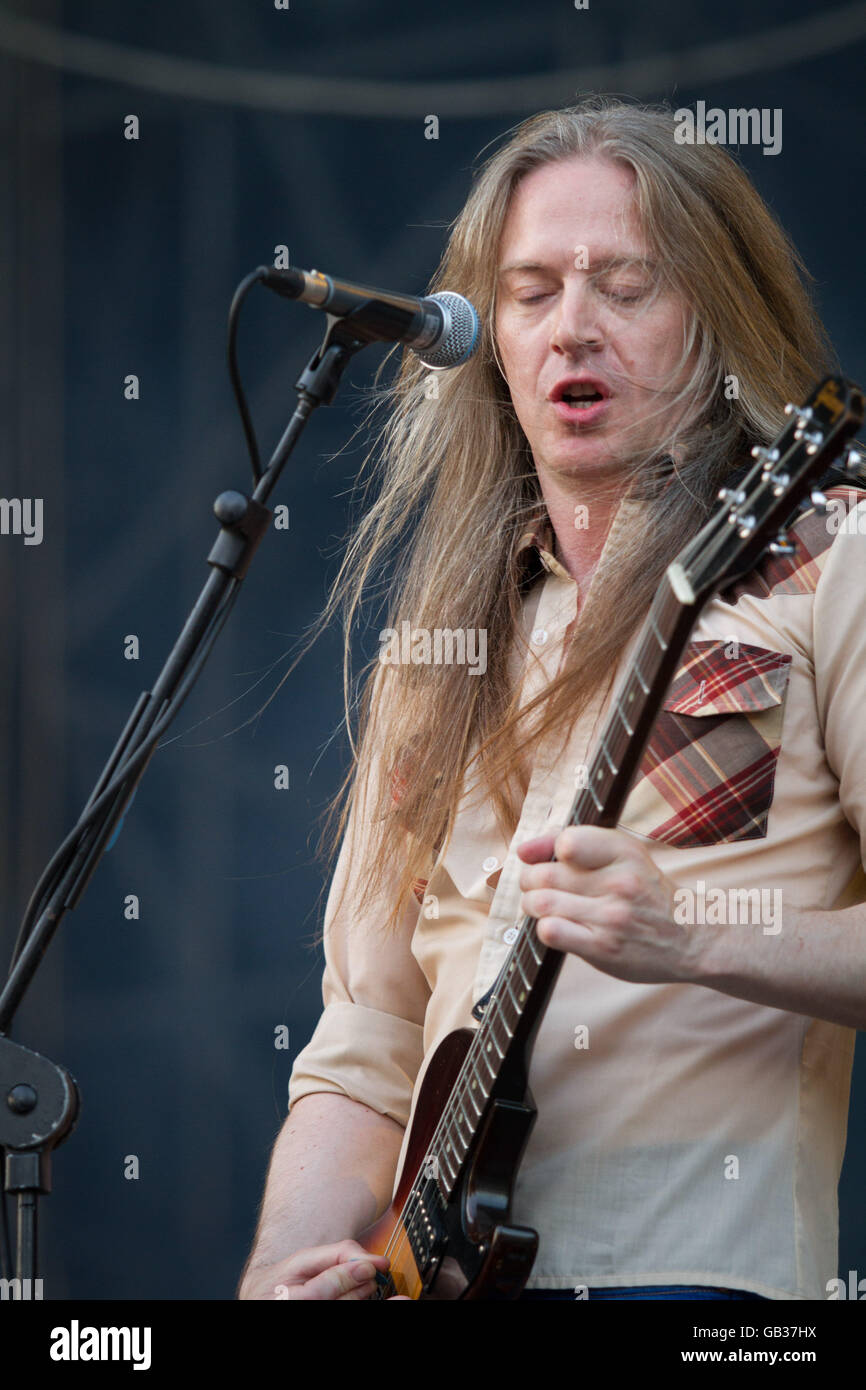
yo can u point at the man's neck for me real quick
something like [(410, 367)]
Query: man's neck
[(581, 519)]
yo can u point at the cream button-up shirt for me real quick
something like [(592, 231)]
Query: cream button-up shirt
[(683, 1135)]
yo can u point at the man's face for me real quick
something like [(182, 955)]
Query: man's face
[(578, 313)]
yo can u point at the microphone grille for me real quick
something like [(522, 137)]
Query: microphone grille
[(459, 337)]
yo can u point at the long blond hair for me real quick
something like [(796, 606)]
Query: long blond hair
[(456, 482)]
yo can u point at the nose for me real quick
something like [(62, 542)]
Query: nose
[(577, 324)]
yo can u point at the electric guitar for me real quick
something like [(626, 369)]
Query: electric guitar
[(447, 1232)]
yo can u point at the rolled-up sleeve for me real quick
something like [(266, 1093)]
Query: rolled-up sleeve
[(840, 664), (368, 1043)]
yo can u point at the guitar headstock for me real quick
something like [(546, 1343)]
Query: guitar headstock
[(753, 516)]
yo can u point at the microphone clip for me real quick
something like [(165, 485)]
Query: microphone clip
[(320, 379)]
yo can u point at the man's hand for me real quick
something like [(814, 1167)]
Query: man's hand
[(344, 1272), (605, 900)]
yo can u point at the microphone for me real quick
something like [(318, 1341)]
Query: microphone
[(442, 329)]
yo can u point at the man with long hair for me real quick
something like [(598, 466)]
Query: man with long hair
[(644, 322)]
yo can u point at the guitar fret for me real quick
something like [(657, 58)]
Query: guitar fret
[(523, 986), (499, 1022), (477, 1083), (661, 641), (476, 1107)]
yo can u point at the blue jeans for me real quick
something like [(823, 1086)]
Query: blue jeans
[(689, 1291)]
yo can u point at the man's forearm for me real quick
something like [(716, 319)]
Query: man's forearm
[(813, 963), (331, 1174)]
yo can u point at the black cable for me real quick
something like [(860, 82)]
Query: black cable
[(240, 295), (56, 866), (66, 850)]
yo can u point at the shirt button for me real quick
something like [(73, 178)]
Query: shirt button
[(490, 864), (510, 936), (539, 637)]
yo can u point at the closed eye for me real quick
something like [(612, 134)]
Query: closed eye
[(625, 296)]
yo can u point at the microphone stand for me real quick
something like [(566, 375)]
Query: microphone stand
[(41, 1097)]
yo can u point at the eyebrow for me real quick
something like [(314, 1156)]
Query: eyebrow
[(601, 264)]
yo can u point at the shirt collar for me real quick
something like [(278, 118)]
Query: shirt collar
[(535, 549), (537, 543)]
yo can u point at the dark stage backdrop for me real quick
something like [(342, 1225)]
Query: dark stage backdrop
[(259, 126)]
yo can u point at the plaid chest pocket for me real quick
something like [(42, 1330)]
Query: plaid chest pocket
[(709, 769)]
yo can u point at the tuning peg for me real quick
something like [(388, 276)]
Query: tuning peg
[(779, 480), (813, 441), (782, 545), (803, 413), (726, 494), (746, 526), (817, 502), (854, 460)]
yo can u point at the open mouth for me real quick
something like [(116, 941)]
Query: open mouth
[(580, 395), (581, 399)]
